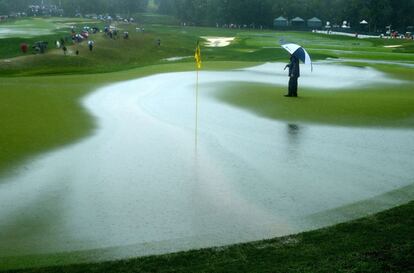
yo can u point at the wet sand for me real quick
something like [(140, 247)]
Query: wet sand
[(139, 187)]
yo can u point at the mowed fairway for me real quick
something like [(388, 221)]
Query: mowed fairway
[(253, 142)]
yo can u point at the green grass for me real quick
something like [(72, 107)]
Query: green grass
[(141, 50), (32, 106), (36, 114), (32, 30), (40, 110), (380, 243), (157, 19), (372, 107), (44, 112)]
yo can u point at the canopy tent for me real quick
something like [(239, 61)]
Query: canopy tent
[(297, 21), (280, 22), (314, 22)]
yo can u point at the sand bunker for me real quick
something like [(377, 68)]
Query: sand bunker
[(174, 59), (393, 46), (218, 41)]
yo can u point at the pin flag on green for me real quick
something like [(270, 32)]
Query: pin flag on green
[(197, 55)]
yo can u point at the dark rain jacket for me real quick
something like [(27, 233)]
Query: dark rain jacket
[(294, 69)]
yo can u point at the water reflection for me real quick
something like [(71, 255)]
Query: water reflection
[(293, 131), (294, 135)]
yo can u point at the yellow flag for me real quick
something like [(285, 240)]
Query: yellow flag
[(197, 56)]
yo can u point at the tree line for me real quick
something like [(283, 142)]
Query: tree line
[(71, 7), (378, 13)]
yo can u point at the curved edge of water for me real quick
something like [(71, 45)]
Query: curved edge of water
[(323, 219)]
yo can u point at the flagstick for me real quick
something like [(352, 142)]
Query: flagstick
[(196, 120)]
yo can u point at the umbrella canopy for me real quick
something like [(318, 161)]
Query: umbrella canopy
[(299, 52)]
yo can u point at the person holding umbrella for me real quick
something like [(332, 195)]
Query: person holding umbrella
[(294, 74), (296, 53), (90, 45)]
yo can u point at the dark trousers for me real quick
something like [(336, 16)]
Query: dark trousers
[(293, 86)]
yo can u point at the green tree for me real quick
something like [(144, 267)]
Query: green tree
[(4, 7)]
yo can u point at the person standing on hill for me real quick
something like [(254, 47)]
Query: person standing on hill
[(24, 47), (294, 74)]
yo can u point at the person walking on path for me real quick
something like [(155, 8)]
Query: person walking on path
[(294, 74)]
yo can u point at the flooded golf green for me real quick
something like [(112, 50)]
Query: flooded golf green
[(139, 185), (32, 27)]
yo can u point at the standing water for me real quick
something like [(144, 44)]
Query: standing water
[(139, 187)]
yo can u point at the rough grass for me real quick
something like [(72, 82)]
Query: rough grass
[(380, 243)]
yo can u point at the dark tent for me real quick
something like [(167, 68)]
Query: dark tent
[(280, 22), (314, 23), (298, 22)]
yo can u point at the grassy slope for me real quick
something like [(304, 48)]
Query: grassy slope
[(140, 50), (379, 243), (32, 30)]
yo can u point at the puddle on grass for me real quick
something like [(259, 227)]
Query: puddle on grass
[(409, 64), (31, 28), (138, 186), (23, 32)]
